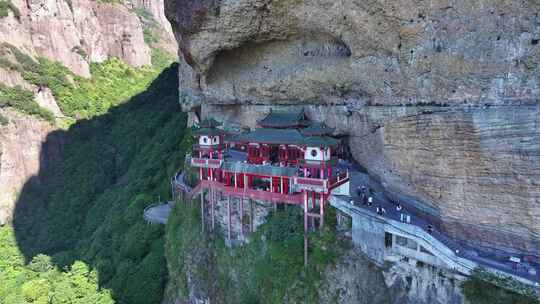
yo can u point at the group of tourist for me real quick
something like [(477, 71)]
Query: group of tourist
[(366, 197)]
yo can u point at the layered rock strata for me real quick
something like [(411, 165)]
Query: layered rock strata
[(439, 100)]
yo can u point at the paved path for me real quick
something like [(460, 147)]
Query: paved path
[(157, 214), (477, 255)]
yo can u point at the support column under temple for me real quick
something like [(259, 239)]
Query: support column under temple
[(321, 210), (242, 217), (212, 208), (229, 217), (202, 210), (305, 229), (251, 224)]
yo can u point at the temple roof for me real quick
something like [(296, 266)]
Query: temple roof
[(209, 132), (283, 137), (271, 136), (284, 120), (320, 141), (209, 123), (317, 129)]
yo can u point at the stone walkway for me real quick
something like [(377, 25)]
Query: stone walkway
[(477, 255), (157, 214)]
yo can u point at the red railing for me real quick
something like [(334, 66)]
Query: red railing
[(338, 180), (313, 184), (206, 162), (310, 181), (295, 198), (208, 147)]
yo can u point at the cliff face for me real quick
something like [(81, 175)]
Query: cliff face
[(439, 99), (74, 33), (22, 154), (79, 32)]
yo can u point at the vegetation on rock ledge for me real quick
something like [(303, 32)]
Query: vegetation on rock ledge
[(6, 6), (22, 100), (269, 269), (112, 82), (483, 287)]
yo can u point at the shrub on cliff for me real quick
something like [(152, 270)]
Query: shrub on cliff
[(3, 120), (22, 100), (483, 287), (112, 82), (6, 6)]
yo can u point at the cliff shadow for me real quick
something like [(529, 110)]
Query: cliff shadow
[(94, 182)]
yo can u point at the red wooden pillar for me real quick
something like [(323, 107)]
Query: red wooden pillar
[(305, 229), (286, 185), (229, 234), (241, 180), (275, 184), (321, 210)]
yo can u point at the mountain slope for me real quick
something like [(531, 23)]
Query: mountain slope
[(86, 204)]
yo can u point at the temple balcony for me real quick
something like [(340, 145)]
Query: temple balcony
[(259, 170), (318, 163), (206, 162), (321, 185), (255, 194), (214, 147)]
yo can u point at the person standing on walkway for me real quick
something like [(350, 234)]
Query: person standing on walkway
[(398, 207), (370, 201)]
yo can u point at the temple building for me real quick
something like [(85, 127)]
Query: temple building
[(290, 160), (286, 160)]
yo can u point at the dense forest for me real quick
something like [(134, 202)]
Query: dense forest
[(78, 235)]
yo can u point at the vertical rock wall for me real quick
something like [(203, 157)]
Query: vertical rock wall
[(439, 99), (23, 153)]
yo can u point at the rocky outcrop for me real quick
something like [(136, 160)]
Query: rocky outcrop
[(439, 100), (78, 32), (386, 52), (75, 33), (156, 9), (354, 279), (419, 284), (26, 147)]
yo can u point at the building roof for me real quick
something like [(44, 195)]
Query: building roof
[(271, 136), (283, 137), (209, 132), (317, 129), (284, 120), (265, 170), (209, 123), (320, 141)]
